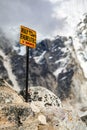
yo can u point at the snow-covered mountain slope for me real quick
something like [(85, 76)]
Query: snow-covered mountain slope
[(80, 47), (7, 65), (56, 57), (80, 44)]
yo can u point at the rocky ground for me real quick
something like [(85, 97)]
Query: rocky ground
[(16, 114)]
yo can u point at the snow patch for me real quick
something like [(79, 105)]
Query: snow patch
[(50, 57), (21, 51), (58, 71), (39, 58)]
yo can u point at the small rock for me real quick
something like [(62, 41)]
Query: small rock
[(42, 119), (34, 108)]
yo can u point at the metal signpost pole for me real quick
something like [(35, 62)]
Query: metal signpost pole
[(27, 38), (27, 70)]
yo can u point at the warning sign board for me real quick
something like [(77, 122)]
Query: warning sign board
[(28, 37)]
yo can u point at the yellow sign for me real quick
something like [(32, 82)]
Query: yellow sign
[(28, 37)]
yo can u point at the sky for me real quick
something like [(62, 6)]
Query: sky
[(47, 17)]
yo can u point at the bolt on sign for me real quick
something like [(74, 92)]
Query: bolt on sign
[(28, 37)]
